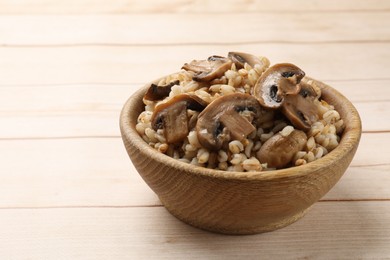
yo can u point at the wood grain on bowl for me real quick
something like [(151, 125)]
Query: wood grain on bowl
[(240, 202)]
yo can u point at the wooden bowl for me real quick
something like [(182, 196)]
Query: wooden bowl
[(239, 202)]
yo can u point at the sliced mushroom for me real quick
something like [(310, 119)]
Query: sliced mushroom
[(172, 116), (240, 58), (279, 150), (156, 92), (277, 82), (221, 120), (207, 70), (303, 109)]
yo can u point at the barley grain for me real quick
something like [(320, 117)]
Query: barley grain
[(236, 146)]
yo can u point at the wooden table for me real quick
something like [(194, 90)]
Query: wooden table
[(67, 187)]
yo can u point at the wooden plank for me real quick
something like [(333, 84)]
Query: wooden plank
[(330, 230), (96, 121), (93, 110), (69, 172), (374, 115), (143, 64), (180, 6), (362, 91), (62, 110), (372, 150), (60, 99), (97, 172), (164, 29), (91, 124), (110, 97), (362, 183)]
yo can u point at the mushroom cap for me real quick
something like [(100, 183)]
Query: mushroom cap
[(156, 92), (279, 150), (276, 82), (207, 70), (303, 109), (240, 58), (172, 116), (221, 120)]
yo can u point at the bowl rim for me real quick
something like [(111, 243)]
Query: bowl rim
[(349, 140)]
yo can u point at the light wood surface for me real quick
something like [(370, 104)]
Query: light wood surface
[(67, 187)]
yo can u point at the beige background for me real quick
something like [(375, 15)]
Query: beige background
[(67, 187)]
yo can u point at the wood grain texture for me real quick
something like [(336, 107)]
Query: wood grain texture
[(97, 172), (97, 122), (239, 203), (112, 96), (362, 184), (196, 29), (179, 6), (78, 172), (89, 110), (117, 65), (62, 110), (357, 90), (331, 230), (68, 190)]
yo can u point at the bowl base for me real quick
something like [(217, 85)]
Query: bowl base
[(236, 230)]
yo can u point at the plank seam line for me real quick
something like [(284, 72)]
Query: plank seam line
[(125, 45), (371, 101), (375, 131), (59, 137), (296, 11), (161, 206), (352, 200), (143, 83), (118, 136), (85, 206), (369, 165)]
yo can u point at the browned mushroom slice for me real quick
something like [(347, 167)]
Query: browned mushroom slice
[(221, 120), (239, 127), (172, 116), (277, 82), (156, 92), (303, 109), (279, 150), (207, 70), (240, 58)]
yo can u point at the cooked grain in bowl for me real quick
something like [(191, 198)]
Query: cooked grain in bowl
[(238, 113)]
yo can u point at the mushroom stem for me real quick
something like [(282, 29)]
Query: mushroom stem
[(172, 116), (176, 123), (221, 120), (303, 109), (238, 126)]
